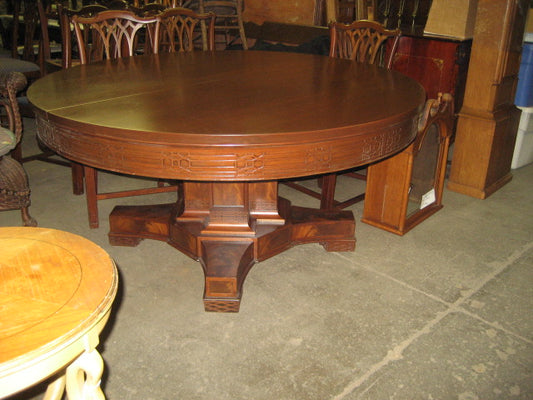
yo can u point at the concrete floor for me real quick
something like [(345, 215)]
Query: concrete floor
[(444, 312)]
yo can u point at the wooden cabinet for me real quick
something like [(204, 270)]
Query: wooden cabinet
[(488, 120), (440, 65)]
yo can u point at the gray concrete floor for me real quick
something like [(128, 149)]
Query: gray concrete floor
[(441, 313)]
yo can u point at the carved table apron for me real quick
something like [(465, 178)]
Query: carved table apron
[(230, 125)]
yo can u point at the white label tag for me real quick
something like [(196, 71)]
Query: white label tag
[(427, 199)]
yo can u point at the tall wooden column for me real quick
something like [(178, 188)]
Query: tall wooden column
[(488, 120)]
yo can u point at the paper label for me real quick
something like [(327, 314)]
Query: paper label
[(427, 199)]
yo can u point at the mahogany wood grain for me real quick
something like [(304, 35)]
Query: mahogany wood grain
[(230, 124), (56, 291)]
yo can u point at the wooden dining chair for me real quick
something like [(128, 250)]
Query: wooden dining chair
[(229, 21), (108, 35), (14, 185), (34, 14), (177, 30), (50, 49), (70, 55), (361, 41), (19, 31), (47, 64), (113, 34)]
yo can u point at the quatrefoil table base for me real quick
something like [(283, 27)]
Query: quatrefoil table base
[(230, 237)]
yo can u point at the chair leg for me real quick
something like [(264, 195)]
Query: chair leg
[(327, 199), (16, 153), (241, 25), (77, 178), (27, 218), (91, 191)]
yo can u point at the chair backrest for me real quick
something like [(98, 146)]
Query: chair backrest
[(178, 28), (10, 84), (67, 29), (48, 18), (362, 41), (28, 10), (113, 34)]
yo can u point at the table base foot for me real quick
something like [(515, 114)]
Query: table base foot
[(132, 224), (222, 305), (339, 245)]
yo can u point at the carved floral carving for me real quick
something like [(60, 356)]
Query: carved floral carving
[(237, 165), (318, 158)]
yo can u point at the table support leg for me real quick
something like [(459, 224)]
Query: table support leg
[(56, 389), (84, 375), (228, 227)]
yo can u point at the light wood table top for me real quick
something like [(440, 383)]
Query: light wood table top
[(56, 291)]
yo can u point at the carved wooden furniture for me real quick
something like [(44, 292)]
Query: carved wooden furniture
[(362, 41), (230, 153), (14, 186), (405, 189), (56, 293), (26, 46), (29, 36), (49, 45), (229, 20), (70, 57), (25, 62), (113, 34), (48, 64), (176, 29), (488, 120)]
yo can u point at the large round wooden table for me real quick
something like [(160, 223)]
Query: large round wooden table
[(230, 125)]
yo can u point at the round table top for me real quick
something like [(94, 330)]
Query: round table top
[(55, 287), (229, 115)]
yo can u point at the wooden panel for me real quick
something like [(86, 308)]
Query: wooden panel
[(488, 121), (300, 12), (440, 65)]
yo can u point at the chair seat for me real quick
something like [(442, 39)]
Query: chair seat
[(8, 64), (7, 141)]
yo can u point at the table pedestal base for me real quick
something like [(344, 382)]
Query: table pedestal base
[(228, 239)]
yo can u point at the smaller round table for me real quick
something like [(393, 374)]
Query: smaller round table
[(56, 291)]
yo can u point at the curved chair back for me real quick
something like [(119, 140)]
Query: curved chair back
[(178, 28), (362, 41), (65, 15), (113, 34)]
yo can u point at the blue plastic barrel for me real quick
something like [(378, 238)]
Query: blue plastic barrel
[(524, 90)]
